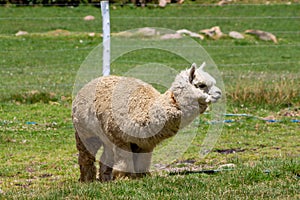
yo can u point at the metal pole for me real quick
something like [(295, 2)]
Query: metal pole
[(106, 38)]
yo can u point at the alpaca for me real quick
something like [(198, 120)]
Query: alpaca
[(128, 118)]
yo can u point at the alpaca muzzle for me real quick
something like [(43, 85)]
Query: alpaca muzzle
[(215, 94)]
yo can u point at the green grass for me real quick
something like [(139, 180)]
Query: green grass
[(244, 182), (54, 60), (38, 154), (39, 161)]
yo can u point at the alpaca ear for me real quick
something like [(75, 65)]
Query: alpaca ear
[(202, 66), (192, 72)]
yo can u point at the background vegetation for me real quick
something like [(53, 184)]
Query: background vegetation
[(126, 2), (37, 70)]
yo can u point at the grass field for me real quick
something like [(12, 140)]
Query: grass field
[(38, 157)]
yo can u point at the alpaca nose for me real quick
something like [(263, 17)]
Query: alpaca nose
[(219, 92), (216, 93)]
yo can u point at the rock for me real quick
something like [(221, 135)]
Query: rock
[(141, 32), (196, 35), (92, 34), (148, 32), (223, 2), (171, 36), (184, 31), (290, 112), (227, 166), (123, 34), (19, 33), (163, 3), (214, 32), (89, 18), (236, 35), (269, 118), (190, 33), (263, 35), (59, 32)]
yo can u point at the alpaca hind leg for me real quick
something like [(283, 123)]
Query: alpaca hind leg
[(86, 162), (106, 164)]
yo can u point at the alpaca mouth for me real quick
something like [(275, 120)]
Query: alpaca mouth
[(215, 98), (210, 99), (203, 102)]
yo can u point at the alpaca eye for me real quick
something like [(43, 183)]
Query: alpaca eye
[(201, 86)]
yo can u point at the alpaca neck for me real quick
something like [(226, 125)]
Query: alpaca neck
[(186, 99)]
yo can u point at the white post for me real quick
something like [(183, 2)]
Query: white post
[(106, 38)]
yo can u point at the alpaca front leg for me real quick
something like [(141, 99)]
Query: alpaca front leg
[(86, 162), (87, 169), (142, 162), (123, 163)]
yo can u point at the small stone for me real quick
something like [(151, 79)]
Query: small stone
[(148, 32), (171, 36), (124, 34), (12, 140), (19, 33), (223, 2), (236, 35), (263, 35), (184, 31), (214, 32), (190, 33), (196, 35), (163, 3), (89, 18), (92, 34)]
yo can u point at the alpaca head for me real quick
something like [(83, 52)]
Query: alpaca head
[(203, 85)]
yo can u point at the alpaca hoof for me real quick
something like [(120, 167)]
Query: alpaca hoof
[(141, 175), (87, 173), (121, 175), (86, 180), (106, 178)]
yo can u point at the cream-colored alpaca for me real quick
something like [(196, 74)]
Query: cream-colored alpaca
[(128, 117)]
